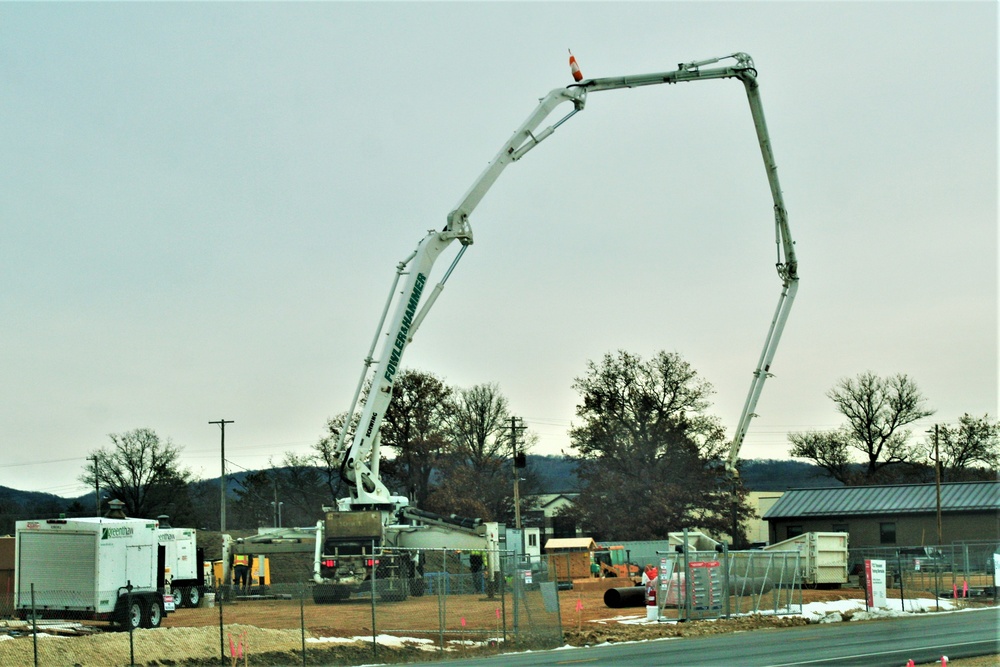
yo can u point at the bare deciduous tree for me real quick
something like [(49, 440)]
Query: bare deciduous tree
[(144, 473), (964, 447), (877, 411)]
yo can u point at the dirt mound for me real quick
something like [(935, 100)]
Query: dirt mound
[(175, 644), (593, 634)]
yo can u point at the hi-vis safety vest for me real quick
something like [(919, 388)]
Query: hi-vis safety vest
[(241, 559)]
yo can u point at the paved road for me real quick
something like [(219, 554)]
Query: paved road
[(889, 642)]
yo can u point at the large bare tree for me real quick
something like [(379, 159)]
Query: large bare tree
[(479, 467), (877, 410), (143, 472), (651, 457)]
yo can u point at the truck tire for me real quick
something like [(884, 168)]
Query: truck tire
[(193, 597), (128, 613), (152, 613), (393, 590), (180, 596), (417, 584), (323, 594), (390, 586)]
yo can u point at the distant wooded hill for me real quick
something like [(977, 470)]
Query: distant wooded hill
[(556, 474)]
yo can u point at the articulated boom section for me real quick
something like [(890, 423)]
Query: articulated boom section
[(787, 265), (359, 459)]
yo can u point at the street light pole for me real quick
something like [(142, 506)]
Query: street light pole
[(222, 480)]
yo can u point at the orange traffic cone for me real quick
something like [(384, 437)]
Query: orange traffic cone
[(575, 68)]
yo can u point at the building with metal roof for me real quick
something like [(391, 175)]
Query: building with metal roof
[(890, 515)]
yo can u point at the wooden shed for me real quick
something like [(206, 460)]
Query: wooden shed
[(570, 557), (6, 576)]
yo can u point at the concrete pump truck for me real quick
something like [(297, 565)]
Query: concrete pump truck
[(369, 533)]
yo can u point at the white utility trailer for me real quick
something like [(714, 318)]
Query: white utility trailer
[(94, 568), (183, 561)]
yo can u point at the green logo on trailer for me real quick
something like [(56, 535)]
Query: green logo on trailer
[(112, 533)]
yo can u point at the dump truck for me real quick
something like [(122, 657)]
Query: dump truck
[(93, 568)]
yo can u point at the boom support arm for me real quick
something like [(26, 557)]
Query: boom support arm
[(786, 264), (359, 461)]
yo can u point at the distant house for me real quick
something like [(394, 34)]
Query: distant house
[(543, 512), (890, 515), (761, 502)]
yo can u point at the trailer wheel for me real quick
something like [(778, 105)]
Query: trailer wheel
[(180, 596), (193, 597), (152, 613), (129, 614)]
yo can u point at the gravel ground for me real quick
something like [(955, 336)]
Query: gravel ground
[(271, 631)]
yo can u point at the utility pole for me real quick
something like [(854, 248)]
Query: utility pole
[(519, 462), (97, 485), (937, 481), (274, 505), (222, 480)]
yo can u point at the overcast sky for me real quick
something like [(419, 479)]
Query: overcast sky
[(203, 206)]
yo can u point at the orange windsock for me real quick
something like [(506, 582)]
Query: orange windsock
[(575, 68)]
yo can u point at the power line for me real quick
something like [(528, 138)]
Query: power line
[(37, 463)]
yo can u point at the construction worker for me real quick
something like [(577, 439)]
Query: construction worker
[(476, 563), (649, 575), (241, 570)]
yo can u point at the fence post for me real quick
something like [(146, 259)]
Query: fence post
[(687, 579), (302, 619), (725, 577), (902, 595), (442, 591), (220, 596), (131, 630), (504, 565), (374, 585), (34, 624)]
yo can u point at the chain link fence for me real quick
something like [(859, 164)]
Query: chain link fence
[(710, 584), (958, 570), (457, 604)]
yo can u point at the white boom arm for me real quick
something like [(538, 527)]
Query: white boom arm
[(359, 462)]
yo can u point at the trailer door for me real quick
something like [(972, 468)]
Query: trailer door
[(140, 566), (60, 565)]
